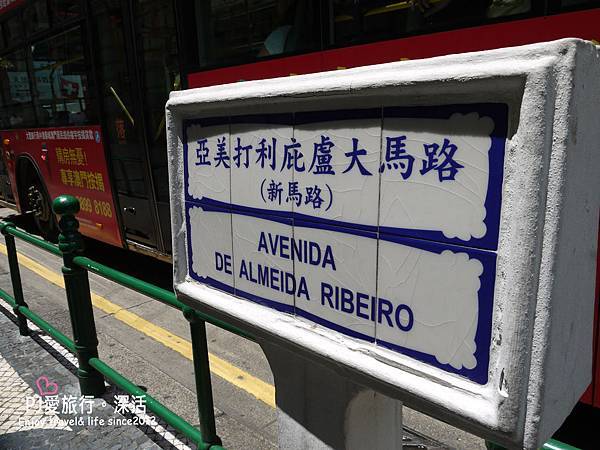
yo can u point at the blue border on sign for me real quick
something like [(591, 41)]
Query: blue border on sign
[(428, 240), (264, 119), (279, 306), (314, 318), (485, 295), (283, 307), (219, 284), (190, 259), (498, 112), (206, 122), (478, 374), (333, 326), (304, 118)]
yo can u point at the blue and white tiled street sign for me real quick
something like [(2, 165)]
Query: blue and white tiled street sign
[(426, 229), (379, 223)]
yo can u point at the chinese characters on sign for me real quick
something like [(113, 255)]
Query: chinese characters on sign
[(51, 135), (350, 220), (78, 178), (439, 157), (73, 161), (71, 156), (82, 179), (77, 171)]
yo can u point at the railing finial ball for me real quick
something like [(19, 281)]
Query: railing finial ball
[(65, 204)]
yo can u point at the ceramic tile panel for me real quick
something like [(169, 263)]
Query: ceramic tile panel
[(260, 173), (339, 272), (435, 303), (263, 268), (208, 161), (339, 177), (441, 174), (210, 258)]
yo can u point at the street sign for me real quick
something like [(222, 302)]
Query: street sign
[(351, 219), (407, 221)]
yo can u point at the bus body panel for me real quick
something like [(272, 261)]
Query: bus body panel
[(70, 160), (581, 24)]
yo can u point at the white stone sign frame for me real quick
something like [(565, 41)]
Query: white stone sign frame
[(541, 332), (462, 335)]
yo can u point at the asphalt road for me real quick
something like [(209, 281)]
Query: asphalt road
[(149, 343)]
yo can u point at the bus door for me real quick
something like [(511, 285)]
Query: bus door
[(124, 122), (158, 69)]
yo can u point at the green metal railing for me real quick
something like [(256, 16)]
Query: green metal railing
[(92, 370)]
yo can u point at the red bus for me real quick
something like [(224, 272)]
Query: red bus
[(83, 83)]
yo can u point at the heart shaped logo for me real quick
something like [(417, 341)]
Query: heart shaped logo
[(45, 386)]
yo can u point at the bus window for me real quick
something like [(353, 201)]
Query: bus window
[(61, 80), (241, 31), (118, 105), (35, 17), (17, 110), (353, 22)]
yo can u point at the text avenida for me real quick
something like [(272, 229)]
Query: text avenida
[(360, 304)]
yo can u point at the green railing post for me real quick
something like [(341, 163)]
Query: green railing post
[(15, 277), (77, 287), (204, 396)]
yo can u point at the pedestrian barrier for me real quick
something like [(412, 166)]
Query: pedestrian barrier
[(92, 370)]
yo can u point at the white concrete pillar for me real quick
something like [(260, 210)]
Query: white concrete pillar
[(319, 409)]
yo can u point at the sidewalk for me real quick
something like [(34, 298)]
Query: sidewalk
[(41, 406)]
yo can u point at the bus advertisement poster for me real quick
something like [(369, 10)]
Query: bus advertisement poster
[(72, 161)]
